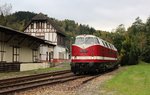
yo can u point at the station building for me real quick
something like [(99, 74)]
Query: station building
[(41, 45), (46, 28), (20, 51)]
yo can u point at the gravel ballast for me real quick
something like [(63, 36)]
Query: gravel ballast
[(93, 87)]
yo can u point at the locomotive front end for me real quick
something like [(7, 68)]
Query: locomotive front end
[(83, 52)]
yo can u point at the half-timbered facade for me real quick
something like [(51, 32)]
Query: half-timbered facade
[(43, 27)]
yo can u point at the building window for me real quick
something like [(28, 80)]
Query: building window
[(2, 52), (48, 26), (35, 55), (32, 26), (43, 24), (16, 51), (61, 55), (52, 54), (38, 25)]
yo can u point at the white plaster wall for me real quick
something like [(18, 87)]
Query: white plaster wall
[(43, 50), (51, 37), (58, 49), (55, 38), (33, 34), (32, 66), (8, 53), (25, 54), (47, 36)]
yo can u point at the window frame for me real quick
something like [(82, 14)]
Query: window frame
[(16, 53)]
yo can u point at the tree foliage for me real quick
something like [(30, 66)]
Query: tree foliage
[(132, 44), (5, 9)]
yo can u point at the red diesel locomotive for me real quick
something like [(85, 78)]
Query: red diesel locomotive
[(90, 54)]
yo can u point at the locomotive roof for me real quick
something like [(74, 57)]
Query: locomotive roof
[(86, 36), (102, 42)]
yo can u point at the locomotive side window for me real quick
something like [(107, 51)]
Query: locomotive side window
[(103, 43), (96, 41), (79, 40), (106, 44), (89, 40), (109, 46)]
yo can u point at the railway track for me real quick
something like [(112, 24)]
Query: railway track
[(32, 77), (13, 85)]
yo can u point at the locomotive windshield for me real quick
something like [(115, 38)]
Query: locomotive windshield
[(79, 40), (84, 40), (89, 40)]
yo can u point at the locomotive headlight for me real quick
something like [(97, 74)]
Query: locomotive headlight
[(92, 57), (74, 57)]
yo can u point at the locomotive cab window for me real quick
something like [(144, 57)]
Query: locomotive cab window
[(79, 40), (89, 40), (86, 40)]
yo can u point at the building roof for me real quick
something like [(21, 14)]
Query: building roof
[(42, 17), (15, 32)]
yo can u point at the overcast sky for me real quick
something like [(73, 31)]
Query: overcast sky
[(100, 14)]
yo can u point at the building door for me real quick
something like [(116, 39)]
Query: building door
[(46, 56), (50, 57), (34, 55)]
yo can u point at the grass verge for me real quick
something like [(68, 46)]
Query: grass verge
[(62, 66), (134, 80)]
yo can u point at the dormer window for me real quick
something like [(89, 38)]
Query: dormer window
[(32, 25), (43, 25), (38, 25), (48, 25)]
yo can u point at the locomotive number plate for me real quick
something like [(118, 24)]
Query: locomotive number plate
[(83, 51)]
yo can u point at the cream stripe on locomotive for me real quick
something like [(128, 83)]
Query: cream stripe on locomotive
[(93, 57)]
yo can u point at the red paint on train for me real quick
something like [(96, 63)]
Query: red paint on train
[(100, 52)]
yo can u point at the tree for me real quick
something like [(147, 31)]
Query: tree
[(2, 20), (137, 26), (119, 37), (5, 9)]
